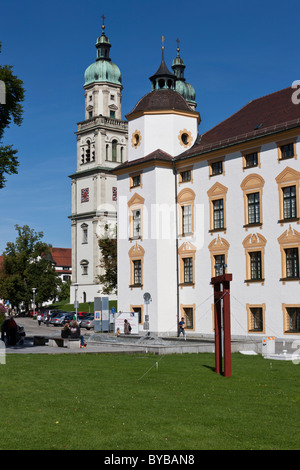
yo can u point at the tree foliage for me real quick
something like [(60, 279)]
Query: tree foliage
[(26, 266), (11, 111), (108, 261)]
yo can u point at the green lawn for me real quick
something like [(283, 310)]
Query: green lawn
[(132, 402)]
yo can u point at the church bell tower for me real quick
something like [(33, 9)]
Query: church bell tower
[(101, 146)]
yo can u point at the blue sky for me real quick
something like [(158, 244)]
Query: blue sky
[(234, 52)]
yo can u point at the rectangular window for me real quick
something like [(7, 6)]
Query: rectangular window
[(287, 151), (293, 319), (112, 114), (137, 272), (219, 265), (251, 160), (218, 211), (253, 208), (136, 181), (136, 224), (185, 176), (292, 262), (187, 226), (217, 168), (255, 265), (256, 319), (84, 235), (188, 270), (138, 312), (289, 202), (189, 318)]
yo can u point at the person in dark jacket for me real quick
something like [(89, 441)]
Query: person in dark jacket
[(65, 332), (75, 333), (9, 331)]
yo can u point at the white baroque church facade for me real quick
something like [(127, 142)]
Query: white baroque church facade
[(191, 206)]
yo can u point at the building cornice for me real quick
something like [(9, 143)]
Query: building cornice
[(91, 172), (240, 143)]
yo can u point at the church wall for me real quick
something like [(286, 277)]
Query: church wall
[(271, 293), (160, 131)]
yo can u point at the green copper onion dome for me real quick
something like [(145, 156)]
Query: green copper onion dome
[(103, 70)]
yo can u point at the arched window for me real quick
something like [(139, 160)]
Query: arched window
[(114, 150), (88, 151), (84, 267)]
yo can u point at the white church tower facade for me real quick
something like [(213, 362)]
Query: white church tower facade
[(101, 146), (162, 125)]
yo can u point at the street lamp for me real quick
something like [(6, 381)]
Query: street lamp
[(33, 290), (76, 302)]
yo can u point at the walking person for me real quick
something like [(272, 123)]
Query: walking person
[(181, 328), (39, 319), (127, 327)]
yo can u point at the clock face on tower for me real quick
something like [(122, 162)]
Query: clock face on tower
[(136, 138)]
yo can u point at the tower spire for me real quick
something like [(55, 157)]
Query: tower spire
[(103, 45), (163, 78), (103, 25)]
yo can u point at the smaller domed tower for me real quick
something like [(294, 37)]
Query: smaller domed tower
[(165, 118), (184, 88)]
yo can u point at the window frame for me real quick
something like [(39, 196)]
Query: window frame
[(183, 314), (181, 180), (287, 178), (186, 197), (217, 192), (283, 143), (254, 243), (136, 203), (251, 319), (218, 246), (287, 319), (252, 184), (136, 253), (140, 308), (246, 153), (289, 239), (186, 251), (214, 161)]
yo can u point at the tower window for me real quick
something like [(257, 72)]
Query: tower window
[(114, 150), (88, 152), (184, 138)]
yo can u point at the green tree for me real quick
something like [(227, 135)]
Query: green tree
[(108, 261), (64, 290), (26, 266), (11, 110)]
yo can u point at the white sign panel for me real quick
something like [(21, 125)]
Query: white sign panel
[(133, 320)]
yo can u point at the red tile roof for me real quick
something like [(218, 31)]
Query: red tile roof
[(264, 115), (158, 100), (156, 156), (62, 256)]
